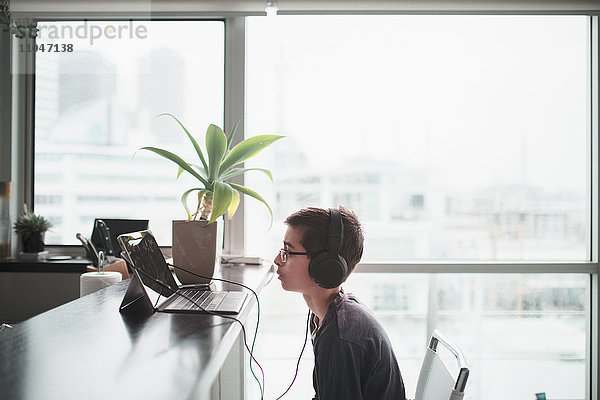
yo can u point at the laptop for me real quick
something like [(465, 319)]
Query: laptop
[(150, 267)]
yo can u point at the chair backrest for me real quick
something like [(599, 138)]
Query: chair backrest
[(435, 382)]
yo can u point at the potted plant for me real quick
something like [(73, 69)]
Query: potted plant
[(196, 244), (31, 228)]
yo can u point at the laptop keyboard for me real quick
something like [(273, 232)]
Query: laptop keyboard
[(205, 298)]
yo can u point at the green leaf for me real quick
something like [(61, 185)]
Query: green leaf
[(252, 193), (232, 135), (194, 142), (177, 160), (216, 146), (185, 195), (222, 197), (246, 149), (238, 171), (200, 170), (235, 202)]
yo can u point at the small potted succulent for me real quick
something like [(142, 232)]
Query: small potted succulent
[(31, 228)]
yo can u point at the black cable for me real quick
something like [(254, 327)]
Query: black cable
[(243, 332), (299, 357), (261, 387), (164, 285), (164, 277)]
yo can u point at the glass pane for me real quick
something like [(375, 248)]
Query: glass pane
[(96, 106), (521, 334), (452, 137)]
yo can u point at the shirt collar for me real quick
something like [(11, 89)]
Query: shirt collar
[(314, 326)]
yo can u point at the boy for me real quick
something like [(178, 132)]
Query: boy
[(353, 355)]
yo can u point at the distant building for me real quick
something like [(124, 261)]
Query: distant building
[(161, 83)]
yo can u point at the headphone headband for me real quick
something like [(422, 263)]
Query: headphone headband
[(336, 232)]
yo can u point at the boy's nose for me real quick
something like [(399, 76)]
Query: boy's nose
[(277, 260)]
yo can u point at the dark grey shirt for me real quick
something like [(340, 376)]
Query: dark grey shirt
[(353, 355)]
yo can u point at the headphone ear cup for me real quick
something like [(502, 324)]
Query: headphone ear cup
[(328, 271)]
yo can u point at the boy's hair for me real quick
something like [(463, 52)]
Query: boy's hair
[(313, 224)]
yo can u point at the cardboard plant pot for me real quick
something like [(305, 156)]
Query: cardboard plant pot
[(197, 247)]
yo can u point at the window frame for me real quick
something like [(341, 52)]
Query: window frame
[(21, 141)]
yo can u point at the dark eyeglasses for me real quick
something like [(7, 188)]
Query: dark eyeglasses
[(283, 254)]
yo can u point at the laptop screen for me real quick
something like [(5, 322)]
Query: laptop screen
[(149, 260)]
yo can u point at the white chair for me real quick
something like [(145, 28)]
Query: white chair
[(435, 382)]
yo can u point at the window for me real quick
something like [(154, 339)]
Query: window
[(96, 106), (511, 328), (454, 138)]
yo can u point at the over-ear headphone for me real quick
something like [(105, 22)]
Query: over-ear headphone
[(329, 269)]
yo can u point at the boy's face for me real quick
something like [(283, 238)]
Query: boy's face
[(293, 274)]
